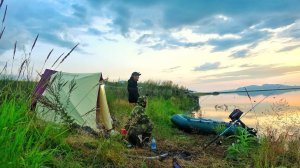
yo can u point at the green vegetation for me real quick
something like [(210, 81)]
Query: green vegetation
[(277, 149), (27, 141), (241, 149), (220, 128), (164, 100)]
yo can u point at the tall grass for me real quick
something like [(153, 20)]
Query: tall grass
[(280, 141), (25, 141), (277, 148)]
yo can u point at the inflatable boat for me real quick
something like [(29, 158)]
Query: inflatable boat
[(208, 126)]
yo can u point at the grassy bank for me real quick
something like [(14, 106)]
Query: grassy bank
[(164, 100), (27, 141)]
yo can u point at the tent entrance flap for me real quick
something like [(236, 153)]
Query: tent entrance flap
[(103, 115)]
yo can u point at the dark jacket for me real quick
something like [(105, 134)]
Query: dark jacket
[(133, 93)]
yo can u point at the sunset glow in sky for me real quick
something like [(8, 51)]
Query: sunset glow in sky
[(203, 45)]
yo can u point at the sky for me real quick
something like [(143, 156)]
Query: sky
[(202, 45)]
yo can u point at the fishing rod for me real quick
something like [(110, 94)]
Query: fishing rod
[(250, 100), (234, 122)]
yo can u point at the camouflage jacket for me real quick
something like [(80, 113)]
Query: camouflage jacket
[(139, 122)]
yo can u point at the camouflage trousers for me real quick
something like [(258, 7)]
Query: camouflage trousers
[(139, 127)]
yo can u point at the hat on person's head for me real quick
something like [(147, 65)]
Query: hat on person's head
[(136, 74)]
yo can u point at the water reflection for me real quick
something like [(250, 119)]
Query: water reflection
[(280, 111)]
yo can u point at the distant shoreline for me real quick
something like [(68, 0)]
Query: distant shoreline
[(244, 91)]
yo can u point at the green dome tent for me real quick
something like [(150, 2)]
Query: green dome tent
[(77, 97)]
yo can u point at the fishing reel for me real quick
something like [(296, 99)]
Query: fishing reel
[(235, 118)]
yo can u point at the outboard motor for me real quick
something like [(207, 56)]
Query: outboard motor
[(235, 116)]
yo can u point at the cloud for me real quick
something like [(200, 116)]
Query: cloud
[(209, 66), (79, 11), (145, 24), (250, 37), (163, 41), (122, 19), (240, 54), (176, 67), (247, 65), (203, 17), (109, 39), (257, 72), (276, 20), (180, 13), (93, 31), (293, 31), (172, 69), (159, 41), (145, 39), (95, 3), (60, 22), (289, 48), (2, 63), (222, 24)]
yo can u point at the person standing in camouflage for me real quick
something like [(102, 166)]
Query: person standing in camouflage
[(139, 125)]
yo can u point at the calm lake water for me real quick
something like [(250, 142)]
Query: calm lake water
[(280, 111)]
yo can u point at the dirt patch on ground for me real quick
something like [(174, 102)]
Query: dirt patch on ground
[(188, 153)]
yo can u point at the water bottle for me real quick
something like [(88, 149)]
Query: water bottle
[(153, 145)]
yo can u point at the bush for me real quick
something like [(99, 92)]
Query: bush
[(241, 149)]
